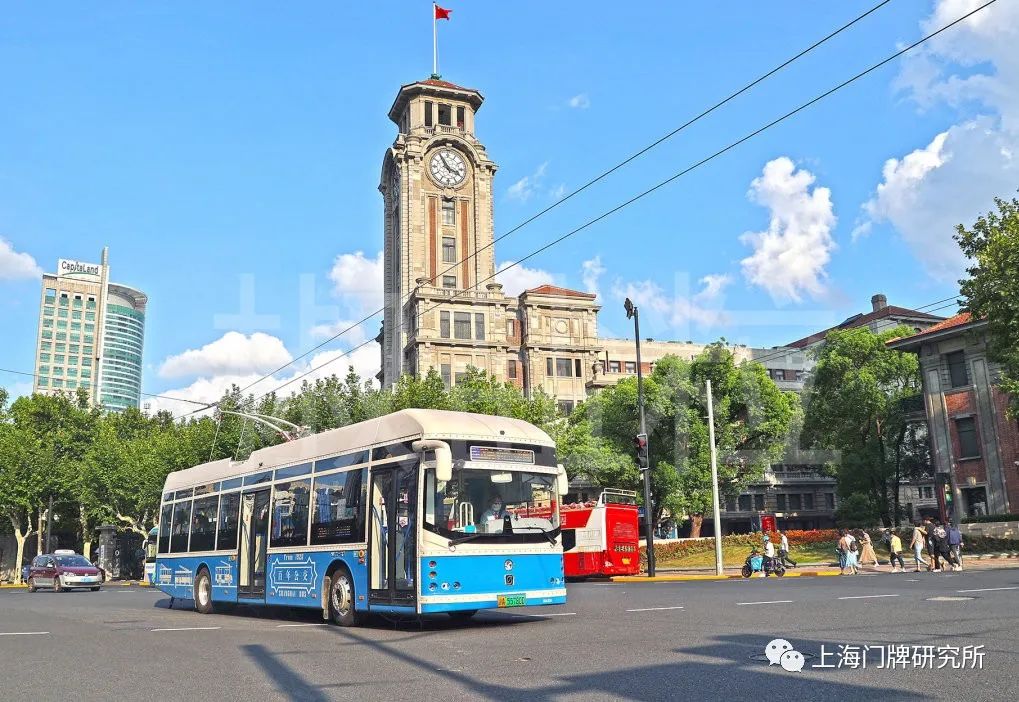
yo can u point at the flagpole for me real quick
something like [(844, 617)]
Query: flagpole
[(435, 44)]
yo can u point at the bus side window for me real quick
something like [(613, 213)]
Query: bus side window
[(164, 528)]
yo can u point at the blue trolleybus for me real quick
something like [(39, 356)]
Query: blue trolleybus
[(420, 511)]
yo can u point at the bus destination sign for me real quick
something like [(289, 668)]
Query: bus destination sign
[(504, 455)]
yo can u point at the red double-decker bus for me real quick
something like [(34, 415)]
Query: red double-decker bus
[(603, 537)]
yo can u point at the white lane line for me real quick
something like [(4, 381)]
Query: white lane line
[(912, 580), (190, 628), (864, 597), (744, 604), (291, 626), (23, 633), (555, 614), (990, 589), (654, 609)]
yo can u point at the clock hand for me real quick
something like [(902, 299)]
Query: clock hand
[(443, 159)]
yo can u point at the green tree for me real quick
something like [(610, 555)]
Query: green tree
[(855, 409), (992, 288)]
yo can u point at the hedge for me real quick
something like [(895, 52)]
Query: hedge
[(991, 518)]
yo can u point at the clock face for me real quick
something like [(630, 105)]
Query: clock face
[(447, 167)]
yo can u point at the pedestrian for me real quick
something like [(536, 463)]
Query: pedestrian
[(942, 551), (769, 556), (867, 549), (848, 545), (894, 551), (955, 544), (783, 550), (841, 549), (917, 544)]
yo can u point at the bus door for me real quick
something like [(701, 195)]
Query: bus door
[(393, 543), (254, 541)]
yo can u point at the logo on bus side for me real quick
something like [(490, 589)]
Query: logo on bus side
[(292, 575)]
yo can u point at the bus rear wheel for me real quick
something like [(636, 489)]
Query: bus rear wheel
[(341, 599), (203, 592)]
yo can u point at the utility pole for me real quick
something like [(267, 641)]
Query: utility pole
[(643, 452), (49, 527), (716, 509)]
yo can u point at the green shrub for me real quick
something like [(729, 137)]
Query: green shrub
[(991, 518)]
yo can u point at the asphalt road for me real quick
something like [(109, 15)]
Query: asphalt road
[(637, 641)]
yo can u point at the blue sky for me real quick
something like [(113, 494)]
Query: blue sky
[(229, 153)]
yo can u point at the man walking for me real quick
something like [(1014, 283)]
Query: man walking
[(955, 544), (783, 550), (942, 552), (894, 551), (917, 544)]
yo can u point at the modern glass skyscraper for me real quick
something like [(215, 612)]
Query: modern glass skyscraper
[(91, 334)]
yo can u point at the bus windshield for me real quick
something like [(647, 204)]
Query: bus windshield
[(492, 504)]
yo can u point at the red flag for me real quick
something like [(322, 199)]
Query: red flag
[(441, 13)]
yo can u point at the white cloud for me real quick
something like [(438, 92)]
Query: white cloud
[(592, 269), (364, 361), (678, 311), (713, 284), (519, 278), (527, 186), (352, 333), (557, 192), (358, 281), (579, 102), (974, 69), (789, 258), (15, 265), (232, 354)]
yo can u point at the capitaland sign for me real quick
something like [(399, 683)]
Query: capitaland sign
[(77, 269)]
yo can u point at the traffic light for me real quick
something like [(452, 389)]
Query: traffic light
[(640, 445)]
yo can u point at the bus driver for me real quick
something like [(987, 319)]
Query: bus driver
[(495, 511)]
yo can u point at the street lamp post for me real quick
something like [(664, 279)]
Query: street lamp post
[(643, 450)]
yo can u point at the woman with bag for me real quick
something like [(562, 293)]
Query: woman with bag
[(867, 553)]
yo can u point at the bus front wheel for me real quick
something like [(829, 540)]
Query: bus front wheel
[(341, 599), (203, 592)]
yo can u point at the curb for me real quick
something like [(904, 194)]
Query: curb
[(126, 583), (684, 578)]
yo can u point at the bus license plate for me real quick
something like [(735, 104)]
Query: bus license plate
[(512, 600)]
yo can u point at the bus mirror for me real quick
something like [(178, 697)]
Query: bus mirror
[(443, 457), (562, 481)]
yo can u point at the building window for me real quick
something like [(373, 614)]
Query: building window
[(461, 325), (444, 325), (957, 375), (479, 326), (631, 367), (576, 368), (966, 430), (778, 374), (613, 366), (548, 366), (744, 503), (428, 113), (800, 375), (829, 500), (730, 505), (449, 281), (563, 368), (51, 293), (86, 361), (927, 492), (460, 117), (759, 503), (511, 369), (446, 372), (77, 302), (795, 502), (44, 382), (448, 212), (48, 311), (90, 304), (566, 406), (780, 500), (448, 249), (445, 118), (808, 501)]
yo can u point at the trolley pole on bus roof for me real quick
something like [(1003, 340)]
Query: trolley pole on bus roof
[(641, 445), (715, 508)]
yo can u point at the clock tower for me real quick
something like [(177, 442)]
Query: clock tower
[(443, 309)]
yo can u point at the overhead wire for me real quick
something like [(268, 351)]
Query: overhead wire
[(663, 183)]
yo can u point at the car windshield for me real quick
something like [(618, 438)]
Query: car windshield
[(73, 561), (491, 501)]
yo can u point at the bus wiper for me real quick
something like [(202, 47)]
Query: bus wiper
[(547, 535), (462, 539)]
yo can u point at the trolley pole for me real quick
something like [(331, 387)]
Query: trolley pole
[(715, 508), (643, 450)]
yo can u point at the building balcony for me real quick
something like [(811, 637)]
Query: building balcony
[(447, 129), (458, 293)]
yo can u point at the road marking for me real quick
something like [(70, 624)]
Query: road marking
[(654, 609), (23, 633), (190, 628), (864, 597), (555, 614), (912, 580), (744, 604), (990, 589), (286, 626)]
